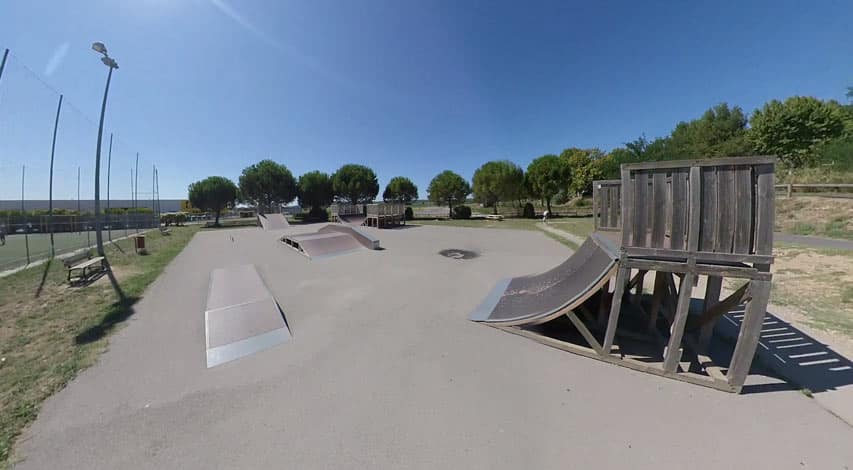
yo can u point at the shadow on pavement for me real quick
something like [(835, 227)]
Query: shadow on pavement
[(118, 312), (793, 356)]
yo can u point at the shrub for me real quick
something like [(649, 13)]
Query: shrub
[(317, 214), (410, 214), (168, 219), (461, 212), (528, 212), (180, 218)]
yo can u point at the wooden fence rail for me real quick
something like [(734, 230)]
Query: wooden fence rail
[(791, 188)]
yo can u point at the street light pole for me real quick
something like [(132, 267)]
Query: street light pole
[(109, 62)]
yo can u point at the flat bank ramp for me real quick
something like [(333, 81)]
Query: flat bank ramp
[(331, 240), (273, 221), (535, 299), (241, 317), (355, 220)]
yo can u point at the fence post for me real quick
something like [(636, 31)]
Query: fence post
[(3, 63), (52, 153), (109, 164), (790, 190), (26, 230)]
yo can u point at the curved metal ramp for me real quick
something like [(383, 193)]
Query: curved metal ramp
[(241, 317), (331, 240), (273, 221), (535, 299)]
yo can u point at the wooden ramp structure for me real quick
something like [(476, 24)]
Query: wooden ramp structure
[(672, 223), (331, 240), (379, 215)]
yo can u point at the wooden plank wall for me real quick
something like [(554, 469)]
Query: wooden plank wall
[(722, 207), (607, 204)]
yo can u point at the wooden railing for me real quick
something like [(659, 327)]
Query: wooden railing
[(340, 208), (817, 189), (385, 209)]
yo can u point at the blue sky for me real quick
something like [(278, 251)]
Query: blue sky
[(207, 87)]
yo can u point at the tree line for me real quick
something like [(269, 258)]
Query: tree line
[(803, 132), (268, 184)]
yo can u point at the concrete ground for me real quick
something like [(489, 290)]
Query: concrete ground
[(384, 371)]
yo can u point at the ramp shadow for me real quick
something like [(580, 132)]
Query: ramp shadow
[(791, 355)]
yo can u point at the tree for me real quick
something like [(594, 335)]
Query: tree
[(356, 184), (213, 194), (400, 189), (497, 181), (582, 167), (267, 184), (448, 188), (720, 132), (546, 175), (795, 128), (315, 190)]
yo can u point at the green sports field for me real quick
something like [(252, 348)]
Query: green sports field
[(14, 253)]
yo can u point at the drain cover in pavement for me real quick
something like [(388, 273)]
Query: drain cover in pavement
[(458, 254)]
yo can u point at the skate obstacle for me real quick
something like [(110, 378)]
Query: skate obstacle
[(273, 221), (673, 222), (331, 240), (379, 215)]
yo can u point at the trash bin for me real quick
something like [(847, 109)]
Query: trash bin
[(139, 242)]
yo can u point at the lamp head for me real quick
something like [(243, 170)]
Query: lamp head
[(99, 48), (109, 62)]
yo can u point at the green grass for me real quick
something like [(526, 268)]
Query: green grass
[(802, 228), (49, 332), (837, 228), (231, 223)]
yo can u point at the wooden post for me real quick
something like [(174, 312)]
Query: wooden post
[(673, 349), (615, 307), (750, 331), (790, 190), (713, 287), (657, 299)]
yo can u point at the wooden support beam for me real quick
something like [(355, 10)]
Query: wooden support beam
[(584, 332), (638, 286), (615, 308), (713, 286), (673, 351), (657, 298), (750, 331), (720, 308), (604, 303)]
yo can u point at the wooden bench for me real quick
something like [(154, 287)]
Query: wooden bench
[(84, 263), (165, 230)]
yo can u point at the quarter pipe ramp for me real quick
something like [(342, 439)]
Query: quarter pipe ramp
[(273, 221), (535, 299)]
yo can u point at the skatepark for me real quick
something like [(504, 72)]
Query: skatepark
[(382, 368)]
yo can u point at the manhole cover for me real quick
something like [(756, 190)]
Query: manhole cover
[(458, 254)]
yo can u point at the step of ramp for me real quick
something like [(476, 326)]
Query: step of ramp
[(531, 300), (331, 240), (273, 221), (242, 317)]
